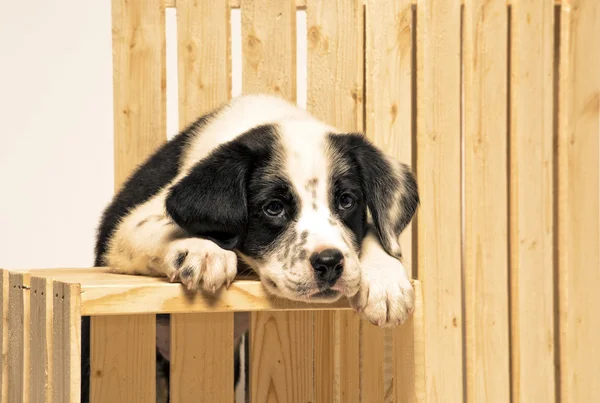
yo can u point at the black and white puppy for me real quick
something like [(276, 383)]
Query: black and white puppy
[(316, 212)]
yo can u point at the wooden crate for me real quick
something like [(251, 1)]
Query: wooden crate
[(494, 103)]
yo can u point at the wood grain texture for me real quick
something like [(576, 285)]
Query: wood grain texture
[(202, 344), (16, 338), (335, 62), (335, 95), (409, 355), (139, 82), (439, 176), (372, 388), (485, 52), (281, 357), (41, 342), (578, 203), (281, 343), (389, 95), (204, 57), (531, 202), (202, 357), (123, 365), (388, 123), (4, 304), (269, 47), (106, 293), (66, 343)]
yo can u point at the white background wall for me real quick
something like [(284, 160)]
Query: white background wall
[(56, 125)]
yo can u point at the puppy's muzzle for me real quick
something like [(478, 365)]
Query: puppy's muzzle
[(328, 265)]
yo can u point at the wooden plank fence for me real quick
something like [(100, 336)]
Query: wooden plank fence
[(496, 106)]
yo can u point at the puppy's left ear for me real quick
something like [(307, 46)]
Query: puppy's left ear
[(390, 188), (211, 200)]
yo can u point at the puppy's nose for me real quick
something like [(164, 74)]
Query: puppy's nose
[(328, 265)]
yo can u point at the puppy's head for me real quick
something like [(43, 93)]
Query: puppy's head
[(292, 199)]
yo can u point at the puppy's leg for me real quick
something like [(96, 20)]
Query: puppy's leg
[(147, 242), (386, 296)]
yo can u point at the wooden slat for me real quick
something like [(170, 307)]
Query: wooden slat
[(204, 57), (281, 357), (439, 176), (335, 94), (105, 293), (123, 364), (389, 123), (202, 357), (389, 80), (409, 356), (26, 341), (579, 205), (123, 347), (486, 320), (281, 345), (4, 304), (335, 62), (202, 349), (372, 353), (139, 82), (66, 343), (16, 338), (40, 296), (531, 202), (269, 47)]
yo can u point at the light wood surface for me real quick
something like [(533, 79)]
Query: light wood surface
[(202, 349), (105, 293), (409, 356), (123, 347), (41, 341), (485, 52), (269, 47), (123, 365), (439, 176), (4, 304), (389, 124), (531, 202), (66, 343), (389, 90), (578, 202), (281, 361), (335, 94), (281, 345), (301, 4), (202, 357), (203, 57), (16, 338), (139, 82)]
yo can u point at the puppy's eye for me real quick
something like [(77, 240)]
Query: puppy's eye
[(346, 201), (274, 209)]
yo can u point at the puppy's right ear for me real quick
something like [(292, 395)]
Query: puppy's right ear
[(211, 200)]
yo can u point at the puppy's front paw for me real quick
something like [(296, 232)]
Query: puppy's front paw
[(386, 296), (200, 263)]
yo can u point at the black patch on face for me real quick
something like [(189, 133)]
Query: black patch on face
[(345, 179), (264, 232), (384, 187), (212, 200)]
